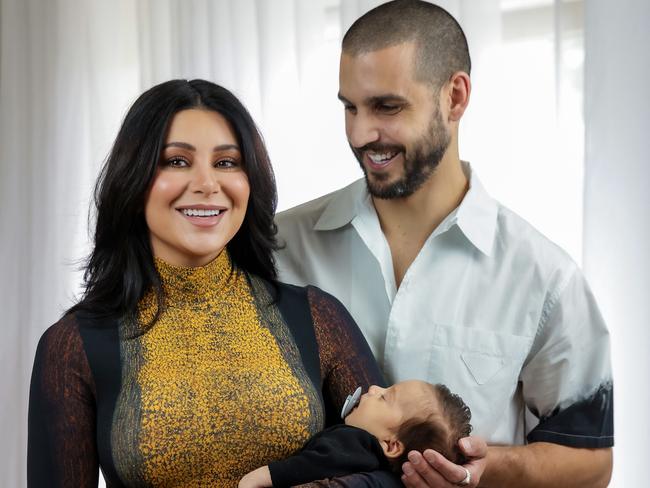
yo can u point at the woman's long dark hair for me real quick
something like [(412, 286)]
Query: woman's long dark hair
[(120, 269)]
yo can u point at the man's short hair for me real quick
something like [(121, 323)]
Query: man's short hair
[(441, 46), (440, 431)]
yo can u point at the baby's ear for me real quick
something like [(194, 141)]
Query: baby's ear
[(393, 448)]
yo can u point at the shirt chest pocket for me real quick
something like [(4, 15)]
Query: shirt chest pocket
[(482, 366)]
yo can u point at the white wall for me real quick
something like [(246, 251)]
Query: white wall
[(617, 224)]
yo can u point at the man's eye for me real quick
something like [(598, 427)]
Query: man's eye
[(389, 109), (351, 108)]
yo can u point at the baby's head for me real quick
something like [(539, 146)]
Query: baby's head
[(413, 415)]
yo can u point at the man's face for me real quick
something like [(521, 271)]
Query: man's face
[(393, 122)]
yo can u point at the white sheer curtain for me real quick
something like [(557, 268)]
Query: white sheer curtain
[(617, 220), (69, 69)]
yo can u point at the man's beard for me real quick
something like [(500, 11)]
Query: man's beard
[(419, 164)]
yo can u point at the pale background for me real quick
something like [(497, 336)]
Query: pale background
[(557, 130)]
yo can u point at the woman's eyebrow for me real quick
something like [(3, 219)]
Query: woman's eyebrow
[(225, 147), (190, 147), (182, 145)]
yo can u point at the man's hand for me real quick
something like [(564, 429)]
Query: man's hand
[(431, 469), (540, 464), (260, 478)]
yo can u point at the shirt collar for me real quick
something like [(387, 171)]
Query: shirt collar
[(476, 216), (343, 206)]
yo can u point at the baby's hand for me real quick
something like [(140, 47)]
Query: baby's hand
[(260, 478)]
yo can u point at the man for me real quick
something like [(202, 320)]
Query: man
[(448, 285)]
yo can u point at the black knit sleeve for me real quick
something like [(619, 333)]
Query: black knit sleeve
[(61, 449), (337, 451), (346, 359)]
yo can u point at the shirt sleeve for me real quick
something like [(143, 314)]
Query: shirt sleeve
[(566, 380), (61, 448), (346, 359), (337, 451)]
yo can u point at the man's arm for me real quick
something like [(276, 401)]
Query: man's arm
[(537, 465), (543, 464)]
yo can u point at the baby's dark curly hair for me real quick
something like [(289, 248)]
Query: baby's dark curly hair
[(446, 421)]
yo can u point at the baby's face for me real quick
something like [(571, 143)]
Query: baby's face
[(382, 410)]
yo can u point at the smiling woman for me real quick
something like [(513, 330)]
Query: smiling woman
[(198, 198), (186, 363)]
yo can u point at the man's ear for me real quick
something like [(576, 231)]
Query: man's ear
[(393, 448), (459, 88)]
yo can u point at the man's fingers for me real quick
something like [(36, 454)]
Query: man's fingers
[(413, 479), (419, 473), (431, 469), (473, 447), (444, 468)]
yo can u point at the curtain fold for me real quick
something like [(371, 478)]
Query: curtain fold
[(617, 227)]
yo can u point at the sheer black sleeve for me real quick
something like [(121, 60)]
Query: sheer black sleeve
[(346, 362), (61, 449), (345, 357)]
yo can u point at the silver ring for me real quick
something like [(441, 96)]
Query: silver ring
[(465, 481)]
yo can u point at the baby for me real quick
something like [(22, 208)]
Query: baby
[(384, 427)]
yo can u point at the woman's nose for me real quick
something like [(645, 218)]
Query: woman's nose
[(205, 180), (375, 390)]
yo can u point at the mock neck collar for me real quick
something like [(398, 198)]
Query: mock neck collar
[(186, 285)]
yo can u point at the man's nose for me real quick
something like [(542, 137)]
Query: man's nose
[(362, 130)]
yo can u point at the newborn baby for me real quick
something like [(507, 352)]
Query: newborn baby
[(381, 428)]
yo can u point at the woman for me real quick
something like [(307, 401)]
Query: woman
[(185, 363)]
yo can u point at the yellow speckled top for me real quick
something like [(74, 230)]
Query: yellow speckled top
[(228, 379), (210, 381)]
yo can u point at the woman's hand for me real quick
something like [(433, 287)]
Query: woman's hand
[(260, 478), (431, 469)]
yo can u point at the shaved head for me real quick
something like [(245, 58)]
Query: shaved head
[(441, 46)]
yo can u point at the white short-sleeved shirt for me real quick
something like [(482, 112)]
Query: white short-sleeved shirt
[(489, 307)]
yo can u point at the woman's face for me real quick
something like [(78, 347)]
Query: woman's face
[(199, 195)]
